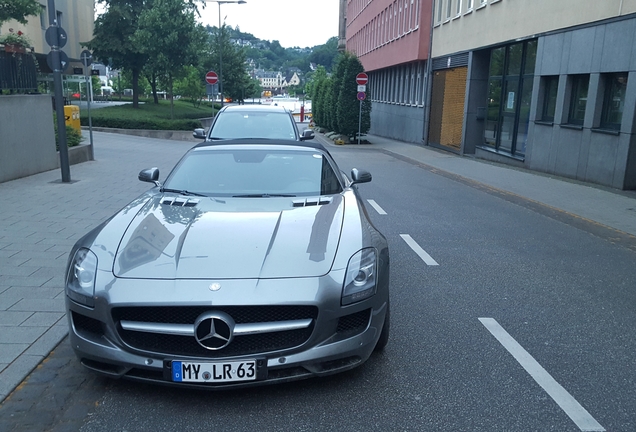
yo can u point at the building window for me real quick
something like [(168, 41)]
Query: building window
[(578, 99), (59, 19), (550, 87), (614, 100), (469, 5), (449, 9), (510, 83), (43, 17), (440, 6), (458, 9)]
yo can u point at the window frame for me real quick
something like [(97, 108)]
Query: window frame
[(609, 81), (575, 97), (550, 82)]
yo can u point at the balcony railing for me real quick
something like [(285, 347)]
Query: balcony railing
[(18, 72)]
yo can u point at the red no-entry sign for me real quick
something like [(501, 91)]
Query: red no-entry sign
[(211, 77), (362, 78)]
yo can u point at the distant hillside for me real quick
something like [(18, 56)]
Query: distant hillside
[(272, 56)]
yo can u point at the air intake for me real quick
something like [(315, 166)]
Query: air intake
[(180, 202), (312, 201)]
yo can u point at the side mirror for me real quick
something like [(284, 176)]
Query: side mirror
[(360, 176), (150, 175), (307, 134), (199, 133)]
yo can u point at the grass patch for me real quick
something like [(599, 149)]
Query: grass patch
[(149, 116)]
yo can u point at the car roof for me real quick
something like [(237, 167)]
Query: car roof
[(255, 107), (263, 141)]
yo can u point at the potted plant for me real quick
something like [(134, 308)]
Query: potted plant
[(15, 42)]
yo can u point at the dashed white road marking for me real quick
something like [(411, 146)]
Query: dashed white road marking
[(572, 408), (418, 250), (377, 208)]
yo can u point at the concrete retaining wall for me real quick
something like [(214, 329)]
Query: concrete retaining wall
[(27, 136)]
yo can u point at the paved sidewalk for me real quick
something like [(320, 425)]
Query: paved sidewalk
[(41, 218)]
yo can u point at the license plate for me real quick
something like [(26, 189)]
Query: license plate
[(213, 372)]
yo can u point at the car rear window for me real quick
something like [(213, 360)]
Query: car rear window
[(254, 172), (272, 125)]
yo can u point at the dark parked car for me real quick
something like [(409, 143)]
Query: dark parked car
[(253, 121), (251, 263)]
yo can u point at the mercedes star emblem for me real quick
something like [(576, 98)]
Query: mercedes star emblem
[(214, 330)]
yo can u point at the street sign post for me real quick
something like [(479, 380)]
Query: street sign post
[(57, 61), (86, 57), (361, 79), (212, 78)]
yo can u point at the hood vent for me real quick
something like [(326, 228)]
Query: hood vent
[(180, 202), (311, 202)]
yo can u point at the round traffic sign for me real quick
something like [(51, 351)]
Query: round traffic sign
[(211, 77), (61, 66), (362, 78), (56, 36), (362, 96), (86, 57)]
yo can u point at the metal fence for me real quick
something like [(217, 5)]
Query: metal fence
[(18, 72)]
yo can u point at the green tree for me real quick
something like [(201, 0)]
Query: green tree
[(326, 104), (18, 10), (235, 79), (191, 85), (254, 89), (313, 79), (325, 54), (96, 84), (347, 105), (169, 37), (337, 77), (113, 42)]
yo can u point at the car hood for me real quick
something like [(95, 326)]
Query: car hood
[(230, 239)]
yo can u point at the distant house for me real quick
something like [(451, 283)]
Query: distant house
[(291, 79), (270, 80)]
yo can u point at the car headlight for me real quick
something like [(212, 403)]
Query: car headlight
[(360, 278), (80, 279)]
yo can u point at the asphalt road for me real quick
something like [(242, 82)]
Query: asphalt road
[(481, 287)]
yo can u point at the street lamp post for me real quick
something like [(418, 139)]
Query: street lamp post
[(220, 2)]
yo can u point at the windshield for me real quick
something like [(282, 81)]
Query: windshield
[(273, 125), (254, 173)]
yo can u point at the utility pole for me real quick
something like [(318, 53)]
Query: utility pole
[(55, 61)]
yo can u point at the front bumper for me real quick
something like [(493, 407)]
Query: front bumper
[(108, 356)]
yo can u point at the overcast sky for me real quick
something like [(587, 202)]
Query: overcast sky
[(303, 23)]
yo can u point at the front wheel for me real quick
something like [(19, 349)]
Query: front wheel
[(386, 328)]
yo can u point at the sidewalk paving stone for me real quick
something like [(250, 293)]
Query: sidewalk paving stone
[(13, 318), (39, 305)]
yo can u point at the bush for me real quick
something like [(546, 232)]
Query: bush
[(73, 136), (152, 124), (149, 116)]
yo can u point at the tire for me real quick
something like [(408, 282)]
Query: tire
[(386, 329)]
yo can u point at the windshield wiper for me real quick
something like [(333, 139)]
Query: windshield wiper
[(182, 192), (264, 195)]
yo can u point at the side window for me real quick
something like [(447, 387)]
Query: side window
[(613, 100), (550, 87), (578, 99)]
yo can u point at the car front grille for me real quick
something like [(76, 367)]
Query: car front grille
[(241, 345)]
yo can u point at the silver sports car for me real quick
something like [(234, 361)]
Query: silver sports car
[(254, 262)]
